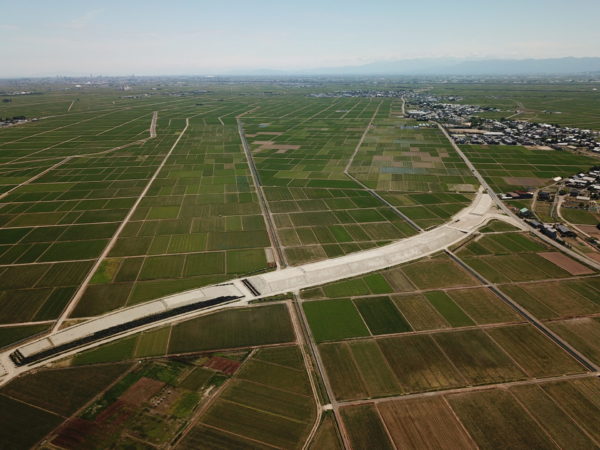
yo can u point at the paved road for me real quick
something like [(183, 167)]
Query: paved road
[(501, 205), (264, 205), (483, 209), (291, 279), (587, 363), (66, 313), (312, 360)]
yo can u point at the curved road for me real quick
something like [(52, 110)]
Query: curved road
[(484, 208), (290, 279)]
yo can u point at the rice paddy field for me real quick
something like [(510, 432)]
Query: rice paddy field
[(318, 210), (509, 168), (573, 105), (408, 348), (542, 415), (109, 200), (415, 168), (236, 328), (238, 381)]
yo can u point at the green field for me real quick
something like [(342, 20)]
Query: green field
[(86, 185), (10, 335), (259, 405), (507, 168), (334, 319), (235, 328)]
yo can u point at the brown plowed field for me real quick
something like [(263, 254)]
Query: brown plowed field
[(227, 366), (566, 263), (424, 423), (141, 391)]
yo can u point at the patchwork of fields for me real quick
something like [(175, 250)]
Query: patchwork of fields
[(509, 168), (416, 169), (267, 389), (200, 223), (431, 328), (111, 200), (575, 105), (541, 415), (318, 210)]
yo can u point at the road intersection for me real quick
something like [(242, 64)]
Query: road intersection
[(290, 279)]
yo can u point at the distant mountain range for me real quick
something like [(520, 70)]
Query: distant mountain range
[(453, 66)]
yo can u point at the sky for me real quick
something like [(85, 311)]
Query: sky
[(108, 37)]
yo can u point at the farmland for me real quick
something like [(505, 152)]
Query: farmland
[(222, 330), (154, 400), (252, 408), (511, 257), (420, 363), (415, 169), (318, 210), (507, 168), (524, 416), (42, 401), (118, 201)]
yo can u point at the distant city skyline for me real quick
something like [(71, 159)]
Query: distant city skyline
[(42, 38)]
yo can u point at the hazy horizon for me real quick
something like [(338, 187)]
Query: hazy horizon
[(187, 37)]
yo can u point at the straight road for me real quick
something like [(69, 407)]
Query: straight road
[(71, 306), (502, 206), (264, 205), (312, 359)]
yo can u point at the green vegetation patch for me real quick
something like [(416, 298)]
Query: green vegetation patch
[(204, 264), (332, 320), (24, 425), (346, 288), (106, 272), (63, 391), (153, 343), (483, 306), (197, 379), (119, 350), (10, 335), (447, 308), (378, 284), (437, 273), (276, 376), (246, 261), (381, 315), (246, 327)]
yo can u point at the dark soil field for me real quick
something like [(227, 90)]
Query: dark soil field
[(231, 329), (424, 423)]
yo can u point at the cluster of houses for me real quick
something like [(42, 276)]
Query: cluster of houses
[(517, 132), (582, 189), (469, 129), (13, 93), (585, 185), (366, 93), (429, 107), (516, 195), (555, 231), (15, 120)]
